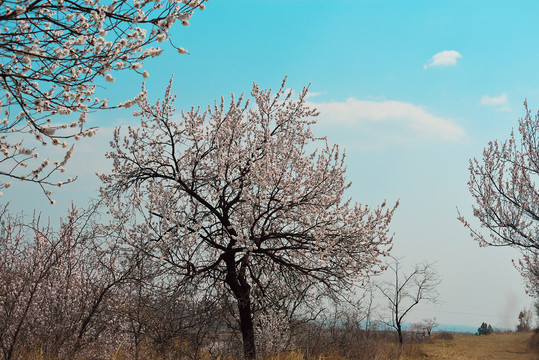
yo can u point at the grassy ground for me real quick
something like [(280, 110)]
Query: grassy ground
[(498, 346)]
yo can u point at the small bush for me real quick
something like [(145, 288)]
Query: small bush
[(484, 329), (524, 320)]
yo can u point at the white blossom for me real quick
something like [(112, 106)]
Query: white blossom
[(52, 67)]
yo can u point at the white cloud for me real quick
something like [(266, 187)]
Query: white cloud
[(494, 100), (444, 58), (312, 94), (499, 101), (386, 121)]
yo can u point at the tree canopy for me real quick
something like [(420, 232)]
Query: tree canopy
[(243, 198)]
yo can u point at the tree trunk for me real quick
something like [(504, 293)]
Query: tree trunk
[(242, 292), (399, 332), (247, 327)]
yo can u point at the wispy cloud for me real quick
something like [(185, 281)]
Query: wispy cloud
[(500, 102), (494, 100), (444, 58), (390, 121), (312, 94)]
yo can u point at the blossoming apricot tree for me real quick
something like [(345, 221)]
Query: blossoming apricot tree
[(57, 288), (503, 184), (51, 55), (239, 199)]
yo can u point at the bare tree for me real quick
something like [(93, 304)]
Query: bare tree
[(405, 291), (238, 200), (52, 54), (503, 184)]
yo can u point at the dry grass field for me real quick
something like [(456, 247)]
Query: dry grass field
[(498, 346)]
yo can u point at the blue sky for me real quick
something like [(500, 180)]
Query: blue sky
[(408, 128)]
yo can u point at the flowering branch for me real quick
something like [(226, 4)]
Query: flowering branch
[(503, 184), (52, 54)]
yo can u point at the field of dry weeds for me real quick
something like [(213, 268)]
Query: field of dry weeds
[(498, 346)]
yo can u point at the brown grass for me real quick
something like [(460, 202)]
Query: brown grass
[(498, 346), (444, 335)]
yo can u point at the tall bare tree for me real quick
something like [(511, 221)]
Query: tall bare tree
[(407, 290)]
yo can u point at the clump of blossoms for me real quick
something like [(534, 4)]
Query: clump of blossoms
[(51, 55), (244, 199)]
